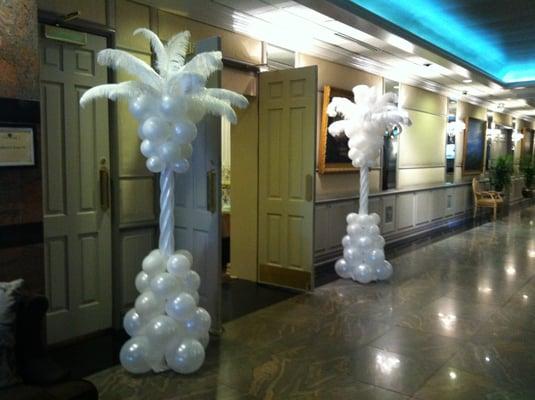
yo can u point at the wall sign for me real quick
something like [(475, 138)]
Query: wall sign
[(16, 147)]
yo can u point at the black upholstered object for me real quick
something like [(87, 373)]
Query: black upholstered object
[(42, 378)]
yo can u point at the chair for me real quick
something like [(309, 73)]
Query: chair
[(489, 198)]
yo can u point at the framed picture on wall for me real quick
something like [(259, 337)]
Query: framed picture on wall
[(474, 146), (16, 146), (332, 153)]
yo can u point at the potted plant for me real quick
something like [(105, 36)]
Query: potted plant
[(527, 167), (501, 172)]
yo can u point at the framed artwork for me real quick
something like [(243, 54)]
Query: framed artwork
[(474, 146), (332, 152), (16, 146)]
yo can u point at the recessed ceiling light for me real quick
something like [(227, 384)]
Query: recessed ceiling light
[(396, 87), (520, 87), (467, 80)]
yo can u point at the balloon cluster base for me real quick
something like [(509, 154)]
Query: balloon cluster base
[(364, 257), (167, 327)]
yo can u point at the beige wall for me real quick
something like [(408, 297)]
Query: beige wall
[(421, 154), (341, 77)]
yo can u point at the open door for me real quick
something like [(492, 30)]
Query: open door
[(287, 155), (198, 203), (76, 190)]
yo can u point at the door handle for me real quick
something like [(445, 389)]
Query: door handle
[(211, 191), (309, 187), (104, 181)]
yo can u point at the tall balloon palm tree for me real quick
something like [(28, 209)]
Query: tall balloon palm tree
[(365, 122), (168, 328)]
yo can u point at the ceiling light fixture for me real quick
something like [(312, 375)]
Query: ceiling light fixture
[(467, 80)]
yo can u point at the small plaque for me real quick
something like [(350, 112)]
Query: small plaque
[(16, 147)]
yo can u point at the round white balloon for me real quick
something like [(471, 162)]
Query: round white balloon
[(133, 355), (132, 322), (192, 281), (187, 357), (179, 265), (181, 307), (153, 263), (160, 330), (147, 305), (142, 281), (164, 284)]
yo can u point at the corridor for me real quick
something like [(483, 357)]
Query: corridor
[(457, 321)]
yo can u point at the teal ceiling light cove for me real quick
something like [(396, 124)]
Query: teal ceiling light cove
[(466, 32)]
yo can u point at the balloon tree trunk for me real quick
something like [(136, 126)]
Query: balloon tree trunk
[(364, 258), (167, 208), (364, 190)]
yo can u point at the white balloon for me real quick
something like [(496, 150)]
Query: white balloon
[(195, 296), (203, 318), (147, 305), (342, 268), (373, 230), (375, 258), (148, 148), (350, 254), (355, 230), (154, 164), (364, 241), (181, 307), (142, 281), (384, 271), (153, 263), (154, 128), (362, 273), (187, 150), (132, 322), (170, 151), (346, 241), (141, 107), (204, 340), (181, 166), (164, 285), (160, 330), (187, 357), (185, 132), (376, 218), (133, 355), (192, 281), (365, 220), (178, 264), (352, 218), (168, 106), (187, 254), (379, 242)]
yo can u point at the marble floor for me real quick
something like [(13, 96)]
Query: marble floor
[(457, 321)]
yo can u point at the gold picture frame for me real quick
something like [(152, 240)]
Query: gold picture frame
[(331, 150), (474, 143)]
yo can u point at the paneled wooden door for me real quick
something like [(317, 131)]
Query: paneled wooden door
[(77, 221), (287, 164), (198, 204)]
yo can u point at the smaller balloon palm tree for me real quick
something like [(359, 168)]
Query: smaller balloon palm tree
[(168, 328), (365, 123)]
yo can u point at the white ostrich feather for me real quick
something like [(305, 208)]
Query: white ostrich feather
[(233, 98), (339, 127), (121, 59), (181, 83), (342, 106), (162, 59), (113, 91), (204, 64), (214, 106), (177, 49)]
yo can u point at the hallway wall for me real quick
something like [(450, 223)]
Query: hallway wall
[(21, 210)]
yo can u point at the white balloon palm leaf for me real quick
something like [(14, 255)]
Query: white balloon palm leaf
[(168, 328), (365, 122)]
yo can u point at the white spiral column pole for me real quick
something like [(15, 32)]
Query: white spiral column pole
[(364, 190), (167, 208)]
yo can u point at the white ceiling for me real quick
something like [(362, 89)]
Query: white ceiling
[(320, 28)]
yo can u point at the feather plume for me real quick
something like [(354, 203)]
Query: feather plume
[(214, 106), (181, 83), (339, 127), (162, 60), (121, 59), (177, 49), (204, 64), (113, 91), (233, 98), (342, 106)]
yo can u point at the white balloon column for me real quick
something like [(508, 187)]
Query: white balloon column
[(167, 327), (365, 122)]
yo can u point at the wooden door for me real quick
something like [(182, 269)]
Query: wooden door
[(287, 149), (76, 190), (198, 204)]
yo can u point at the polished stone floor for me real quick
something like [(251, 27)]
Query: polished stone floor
[(457, 321)]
